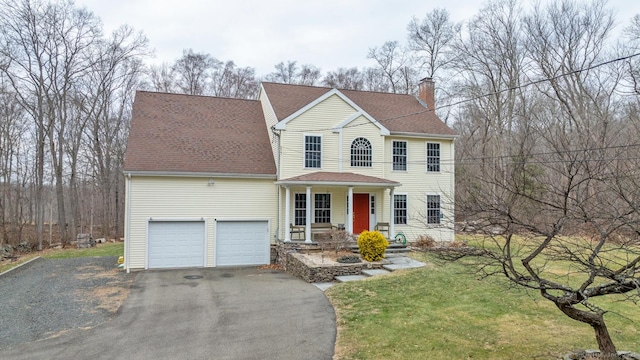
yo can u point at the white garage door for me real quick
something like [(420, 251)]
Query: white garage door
[(175, 244), (242, 243)]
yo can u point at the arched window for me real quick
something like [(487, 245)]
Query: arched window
[(361, 152)]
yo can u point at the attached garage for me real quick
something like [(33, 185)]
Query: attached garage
[(176, 244), (242, 243)]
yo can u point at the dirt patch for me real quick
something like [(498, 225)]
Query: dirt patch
[(108, 297)]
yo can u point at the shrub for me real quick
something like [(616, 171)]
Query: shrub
[(348, 259), (424, 242), (457, 244), (372, 245)]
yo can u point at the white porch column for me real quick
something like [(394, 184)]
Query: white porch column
[(392, 230), (307, 228), (287, 213), (350, 210)]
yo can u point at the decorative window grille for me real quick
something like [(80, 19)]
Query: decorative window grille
[(433, 209), (433, 157), (400, 209), (312, 151), (300, 209), (400, 155), (322, 208), (361, 152)]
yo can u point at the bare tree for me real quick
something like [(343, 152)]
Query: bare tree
[(235, 82), (106, 101), (395, 64), (194, 71), (162, 78), (13, 128), (491, 63), (345, 78), (291, 73), (50, 54), (432, 39), (549, 172)]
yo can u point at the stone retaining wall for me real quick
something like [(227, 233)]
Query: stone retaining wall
[(293, 259)]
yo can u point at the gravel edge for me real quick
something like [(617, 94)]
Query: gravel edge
[(51, 296)]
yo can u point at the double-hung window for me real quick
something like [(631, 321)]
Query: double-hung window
[(322, 208), (300, 209), (400, 209), (399, 155), (433, 157), (433, 209), (312, 151)]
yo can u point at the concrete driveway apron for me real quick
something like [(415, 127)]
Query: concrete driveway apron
[(204, 314)]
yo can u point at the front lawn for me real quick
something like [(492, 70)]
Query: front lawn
[(444, 312), (108, 249)]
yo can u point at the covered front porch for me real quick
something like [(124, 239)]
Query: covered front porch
[(324, 201)]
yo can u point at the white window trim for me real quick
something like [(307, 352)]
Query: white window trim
[(393, 216), (426, 157), (406, 156), (426, 207), (304, 151)]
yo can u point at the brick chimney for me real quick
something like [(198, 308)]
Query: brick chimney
[(426, 92)]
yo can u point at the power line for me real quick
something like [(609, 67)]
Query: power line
[(478, 97)]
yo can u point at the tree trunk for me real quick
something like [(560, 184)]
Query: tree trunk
[(596, 321), (605, 344)]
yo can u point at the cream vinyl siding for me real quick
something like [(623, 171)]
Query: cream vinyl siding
[(319, 120), (362, 127), (191, 198), (417, 183)]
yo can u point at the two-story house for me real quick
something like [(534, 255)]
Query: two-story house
[(214, 181)]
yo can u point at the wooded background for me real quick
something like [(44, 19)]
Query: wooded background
[(506, 79)]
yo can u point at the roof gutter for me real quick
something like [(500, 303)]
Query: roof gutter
[(424, 136), (199, 174)]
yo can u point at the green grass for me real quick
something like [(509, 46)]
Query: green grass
[(108, 249), (444, 312)]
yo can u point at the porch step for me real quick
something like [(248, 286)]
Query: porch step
[(402, 262), (347, 278), (393, 248), (375, 272)]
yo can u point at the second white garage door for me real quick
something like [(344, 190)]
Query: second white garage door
[(242, 243)]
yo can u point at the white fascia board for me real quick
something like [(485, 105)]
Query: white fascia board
[(425, 136), (282, 125), (199, 174), (359, 112)]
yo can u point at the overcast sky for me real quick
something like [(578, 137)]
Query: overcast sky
[(261, 33)]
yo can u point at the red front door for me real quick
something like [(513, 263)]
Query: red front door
[(360, 213)]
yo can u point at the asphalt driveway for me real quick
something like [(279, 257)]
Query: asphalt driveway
[(204, 314)]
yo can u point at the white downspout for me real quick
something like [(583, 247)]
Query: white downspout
[(127, 223), (287, 214)]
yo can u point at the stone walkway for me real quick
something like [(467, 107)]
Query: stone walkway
[(396, 262)]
